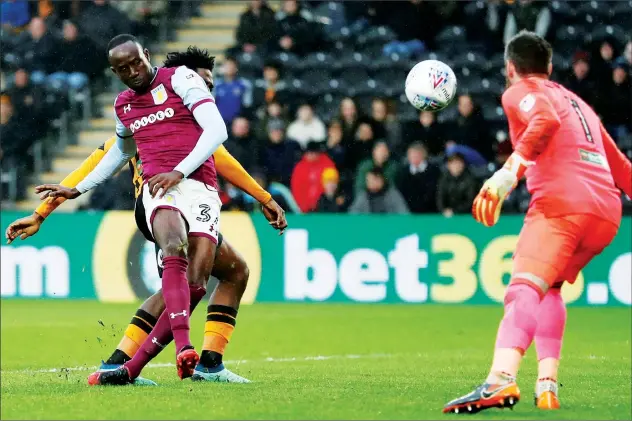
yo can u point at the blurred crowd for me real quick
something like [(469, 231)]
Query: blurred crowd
[(52, 61), (369, 155), (312, 91)]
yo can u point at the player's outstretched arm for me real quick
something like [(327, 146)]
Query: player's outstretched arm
[(30, 225), (229, 168), (620, 165), (118, 155)]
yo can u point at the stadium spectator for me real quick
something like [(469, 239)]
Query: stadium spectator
[(529, 15), (14, 14), (271, 87), (385, 124), (273, 111), (360, 148), (101, 21), (233, 94), (617, 104), (335, 149), (18, 133), (307, 127), (28, 101), (579, 80), (417, 180), (241, 144), (379, 196), (257, 27), (306, 183), (144, 14), (457, 187), (426, 130), (296, 35), (627, 54), (350, 119), (601, 67), (280, 154), (414, 22), (470, 129), (380, 158), (332, 200), (76, 60), (36, 50)]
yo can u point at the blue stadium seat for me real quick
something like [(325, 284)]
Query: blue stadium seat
[(249, 61), (563, 12), (355, 60), (451, 36), (319, 60), (599, 10), (354, 75), (609, 32), (289, 61), (379, 35), (494, 114), (315, 76), (472, 60), (622, 14)]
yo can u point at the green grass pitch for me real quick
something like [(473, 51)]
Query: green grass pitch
[(308, 361)]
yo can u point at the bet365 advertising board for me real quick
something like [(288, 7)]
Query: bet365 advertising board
[(320, 258)]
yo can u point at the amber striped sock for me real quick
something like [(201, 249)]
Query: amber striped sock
[(220, 323), (138, 330)]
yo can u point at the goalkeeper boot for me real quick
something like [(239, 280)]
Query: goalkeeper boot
[(138, 381), (219, 374), (546, 394), (485, 396), (117, 377)]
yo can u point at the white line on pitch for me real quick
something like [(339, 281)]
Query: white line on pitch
[(232, 362)]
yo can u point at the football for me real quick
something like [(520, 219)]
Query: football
[(430, 85)]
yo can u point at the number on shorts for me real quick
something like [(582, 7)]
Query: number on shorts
[(204, 209), (582, 119)]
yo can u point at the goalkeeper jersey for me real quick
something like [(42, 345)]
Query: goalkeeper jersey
[(578, 167)]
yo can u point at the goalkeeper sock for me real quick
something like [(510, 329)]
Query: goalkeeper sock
[(219, 327), (551, 322), (136, 333), (516, 329)]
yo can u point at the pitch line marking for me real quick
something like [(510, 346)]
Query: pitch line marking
[(236, 362)]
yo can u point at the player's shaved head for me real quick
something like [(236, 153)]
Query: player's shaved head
[(529, 53), (130, 61)]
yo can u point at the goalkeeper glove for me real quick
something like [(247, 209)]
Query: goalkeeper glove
[(489, 201)]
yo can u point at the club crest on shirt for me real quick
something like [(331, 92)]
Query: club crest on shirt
[(159, 94), (527, 103)]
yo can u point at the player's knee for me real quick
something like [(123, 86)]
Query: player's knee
[(239, 275), (197, 277), (174, 246)]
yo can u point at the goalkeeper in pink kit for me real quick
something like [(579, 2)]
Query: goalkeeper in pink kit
[(574, 171)]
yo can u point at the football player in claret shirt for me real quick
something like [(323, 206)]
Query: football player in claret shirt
[(170, 116), (574, 172), (230, 267)]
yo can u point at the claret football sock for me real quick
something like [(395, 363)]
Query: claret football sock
[(136, 333), (175, 290), (160, 337), (220, 323)]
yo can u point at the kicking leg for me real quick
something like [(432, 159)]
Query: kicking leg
[(232, 272)]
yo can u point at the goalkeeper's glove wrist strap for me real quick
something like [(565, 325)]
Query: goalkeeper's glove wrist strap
[(517, 165)]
